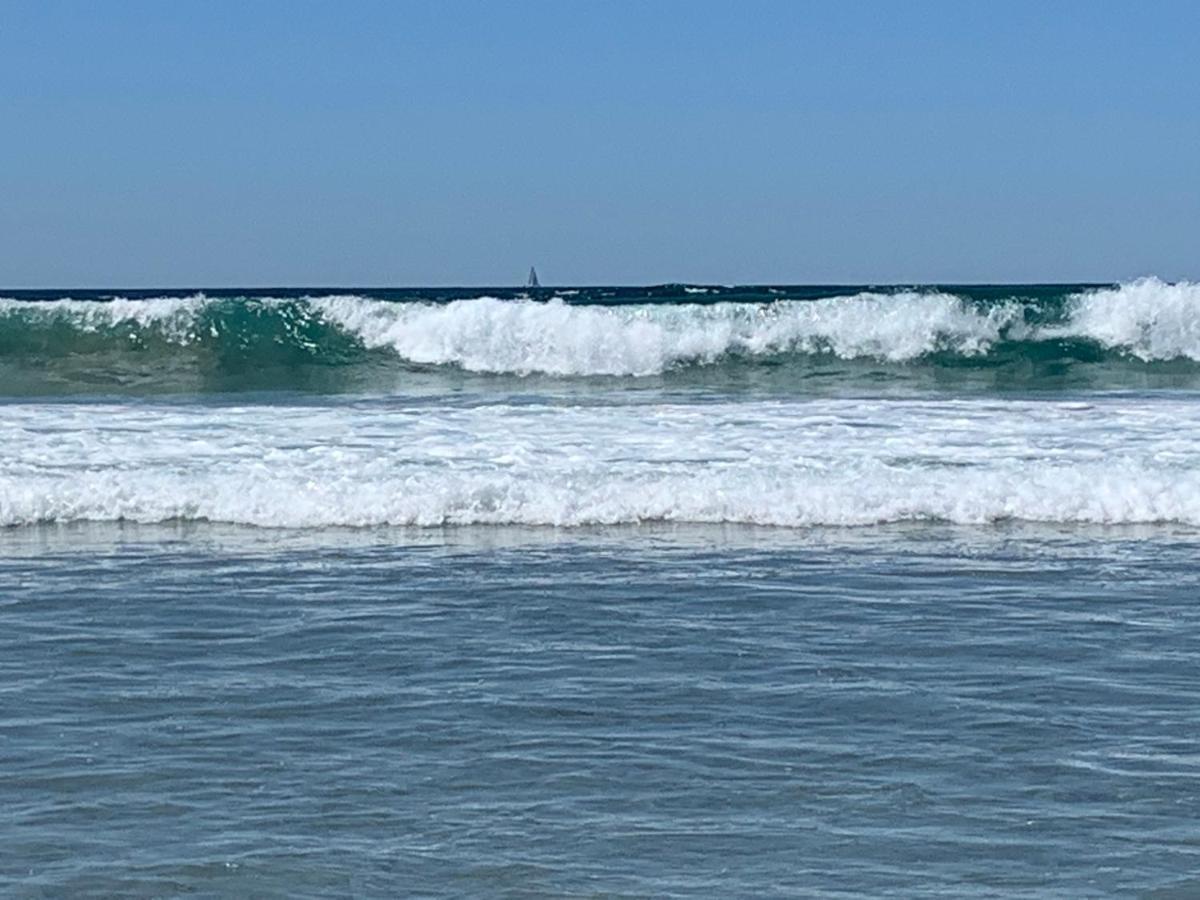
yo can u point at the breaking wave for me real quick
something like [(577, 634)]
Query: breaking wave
[(523, 337), (793, 463), (1097, 494), (1147, 321)]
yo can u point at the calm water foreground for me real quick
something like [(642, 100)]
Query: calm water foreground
[(910, 710)]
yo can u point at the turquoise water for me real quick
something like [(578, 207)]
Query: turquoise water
[(778, 339), (752, 592)]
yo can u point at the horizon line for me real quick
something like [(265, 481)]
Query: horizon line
[(570, 285)]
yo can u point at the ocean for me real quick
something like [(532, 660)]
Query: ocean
[(624, 592)]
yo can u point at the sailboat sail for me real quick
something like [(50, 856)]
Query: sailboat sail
[(533, 281)]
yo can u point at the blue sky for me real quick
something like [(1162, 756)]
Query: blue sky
[(301, 143)]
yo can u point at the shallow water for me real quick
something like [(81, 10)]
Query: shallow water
[(920, 710)]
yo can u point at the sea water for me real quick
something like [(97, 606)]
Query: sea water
[(618, 592)]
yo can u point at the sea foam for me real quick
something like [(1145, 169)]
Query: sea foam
[(782, 463), (1149, 320), (492, 335), (172, 314)]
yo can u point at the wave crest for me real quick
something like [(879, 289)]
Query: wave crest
[(524, 336), (174, 317), (1146, 320)]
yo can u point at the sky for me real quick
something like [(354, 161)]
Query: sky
[(456, 143)]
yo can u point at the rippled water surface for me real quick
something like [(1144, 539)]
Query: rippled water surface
[(913, 710), (671, 591)]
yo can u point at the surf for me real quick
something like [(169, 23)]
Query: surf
[(275, 341), (791, 464)]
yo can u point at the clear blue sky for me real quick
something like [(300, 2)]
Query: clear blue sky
[(301, 143)]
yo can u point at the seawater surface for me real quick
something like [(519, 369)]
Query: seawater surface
[(679, 591)]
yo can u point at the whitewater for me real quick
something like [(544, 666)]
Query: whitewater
[(784, 463), (594, 332), (1148, 319), (783, 407)]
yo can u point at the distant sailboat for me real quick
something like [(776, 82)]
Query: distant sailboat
[(532, 282)]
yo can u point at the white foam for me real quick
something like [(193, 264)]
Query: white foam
[(1148, 318), (523, 336), (793, 463), (174, 315)]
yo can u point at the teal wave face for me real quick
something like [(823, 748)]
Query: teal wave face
[(170, 345), (1141, 335)]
